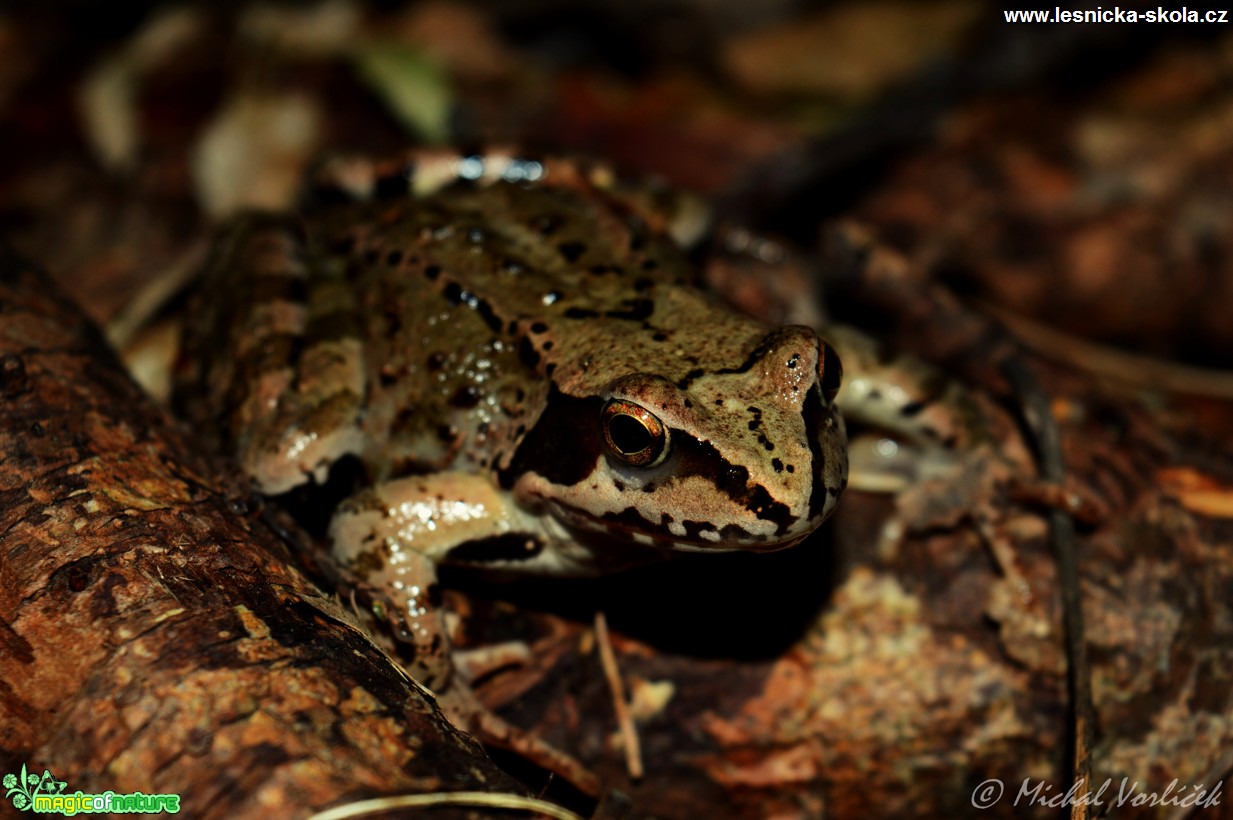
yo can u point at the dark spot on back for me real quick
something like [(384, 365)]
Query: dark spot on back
[(689, 377), (466, 397), (571, 251), (635, 310), (528, 354), (488, 315)]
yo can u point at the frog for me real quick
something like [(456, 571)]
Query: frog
[(518, 359)]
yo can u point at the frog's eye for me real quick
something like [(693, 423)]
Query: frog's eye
[(633, 434), (830, 371)]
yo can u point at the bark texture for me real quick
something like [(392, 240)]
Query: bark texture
[(155, 634)]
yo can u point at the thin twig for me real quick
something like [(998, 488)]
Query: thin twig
[(625, 722), (1049, 444), (492, 800), (1128, 368)]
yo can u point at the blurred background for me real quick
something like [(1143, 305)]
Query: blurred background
[(1073, 180), (1076, 175)]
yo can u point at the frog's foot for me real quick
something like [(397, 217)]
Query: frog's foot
[(464, 710), (886, 464), (447, 673), (905, 395)]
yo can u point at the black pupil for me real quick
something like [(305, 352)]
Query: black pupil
[(628, 434)]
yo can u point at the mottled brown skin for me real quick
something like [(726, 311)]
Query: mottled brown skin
[(481, 327), (524, 367)]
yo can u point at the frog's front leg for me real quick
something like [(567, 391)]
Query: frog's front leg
[(393, 536)]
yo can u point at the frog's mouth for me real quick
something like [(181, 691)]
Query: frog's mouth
[(629, 526)]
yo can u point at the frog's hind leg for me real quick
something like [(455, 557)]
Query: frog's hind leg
[(283, 363), (936, 418)]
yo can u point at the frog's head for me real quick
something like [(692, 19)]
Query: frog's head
[(748, 456)]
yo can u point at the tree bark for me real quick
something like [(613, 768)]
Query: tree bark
[(155, 633)]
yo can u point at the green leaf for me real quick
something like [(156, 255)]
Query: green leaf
[(415, 89)]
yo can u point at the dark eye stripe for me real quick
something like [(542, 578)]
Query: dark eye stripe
[(815, 419), (702, 459), (830, 372), (564, 445)]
